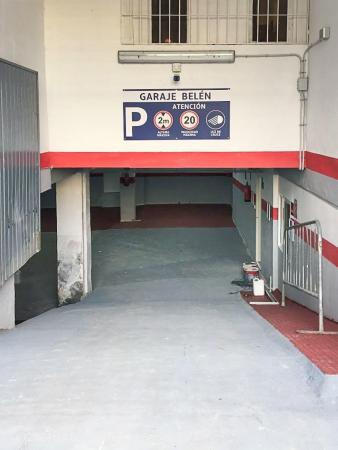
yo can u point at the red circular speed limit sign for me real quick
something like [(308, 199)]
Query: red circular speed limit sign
[(189, 120), (163, 120)]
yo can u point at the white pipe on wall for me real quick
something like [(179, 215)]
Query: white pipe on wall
[(303, 73)]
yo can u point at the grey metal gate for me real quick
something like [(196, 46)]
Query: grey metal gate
[(302, 264), (19, 168)]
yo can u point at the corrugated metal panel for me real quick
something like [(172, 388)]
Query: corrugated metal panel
[(19, 168)]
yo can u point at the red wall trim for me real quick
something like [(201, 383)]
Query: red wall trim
[(170, 160), (326, 165), (238, 184), (265, 205), (330, 252), (274, 211)]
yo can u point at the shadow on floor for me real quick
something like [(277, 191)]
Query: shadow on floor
[(153, 216), (173, 240), (36, 286)]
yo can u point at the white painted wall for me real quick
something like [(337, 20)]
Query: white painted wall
[(311, 207), (22, 42), (323, 95), (244, 216), (85, 82), (7, 305)]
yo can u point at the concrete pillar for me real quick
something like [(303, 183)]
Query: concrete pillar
[(128, 202), (7, 305), (73, 238), (275, 250)]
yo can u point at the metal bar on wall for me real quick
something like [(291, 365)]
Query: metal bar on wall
[(160, 22), (267, 20), (179, 21), (228, 21), (169, 22), (258, 18), (217, 23), (278, 19)]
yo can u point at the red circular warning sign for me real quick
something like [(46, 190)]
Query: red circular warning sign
[(163, 120), (189, 120)]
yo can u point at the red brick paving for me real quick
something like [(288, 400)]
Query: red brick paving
[(154, 216), (322, 350)]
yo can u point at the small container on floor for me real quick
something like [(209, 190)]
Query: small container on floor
[(258, 287), (251, 271)]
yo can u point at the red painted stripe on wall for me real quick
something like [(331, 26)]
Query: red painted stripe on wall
[(330, 252), (265, 205), (170, 160), (238, 184), (326, 165), (274, 211)]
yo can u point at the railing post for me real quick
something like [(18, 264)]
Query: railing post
[(283, 295), (320, 278), (300, 269), (284, 267)]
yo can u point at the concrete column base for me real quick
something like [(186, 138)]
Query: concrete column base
[(7, 305), (73, 238)]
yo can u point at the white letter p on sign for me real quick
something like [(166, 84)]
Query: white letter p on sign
[(142, 118)]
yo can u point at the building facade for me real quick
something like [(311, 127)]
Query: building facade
[(275, 130)]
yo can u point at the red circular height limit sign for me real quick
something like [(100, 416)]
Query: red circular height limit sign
[(163, 120)]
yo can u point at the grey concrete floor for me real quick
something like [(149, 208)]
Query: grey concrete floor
[(163, 355)]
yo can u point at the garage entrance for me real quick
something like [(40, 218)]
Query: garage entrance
[(182, 228)]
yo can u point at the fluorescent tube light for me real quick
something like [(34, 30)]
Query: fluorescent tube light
[(170, 57)]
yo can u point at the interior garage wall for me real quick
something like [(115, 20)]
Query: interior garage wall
[(311, 207), (243, 213), (268, 231), (159, 189), (316, 193), (323, 186), (187, 189), (244, 217)]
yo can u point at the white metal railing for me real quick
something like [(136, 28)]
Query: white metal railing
[(214, 22), (302, 264)]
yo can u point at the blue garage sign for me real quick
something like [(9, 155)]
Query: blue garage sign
[(176, 114)]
